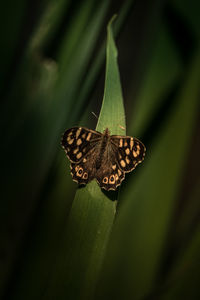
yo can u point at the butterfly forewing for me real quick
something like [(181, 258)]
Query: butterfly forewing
[(130, 152), (78, 141)]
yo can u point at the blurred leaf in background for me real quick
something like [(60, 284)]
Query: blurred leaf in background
[(144, 241)]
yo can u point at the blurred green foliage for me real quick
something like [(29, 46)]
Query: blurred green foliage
[(142, 242)]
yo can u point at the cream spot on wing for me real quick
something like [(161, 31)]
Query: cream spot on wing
[(114, 167), (122, 163), (84, 160), (75, 150), (76, 168), (119, 172), (112, 179), (138, 150), (89, 136), (125, 144), (70, 141), (83, 135), (85, 175), (116, 177), (121, 143), (127, 151), (84, 149), (131, 143), (79, 155), (79, 142), (105, 180), (127, 160), (135, 153), (78, 132), (68, 149), (120, 156)]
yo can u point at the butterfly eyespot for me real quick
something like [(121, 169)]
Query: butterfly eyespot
[(105, 180), (80, 171), (112, 179), (85, 175)]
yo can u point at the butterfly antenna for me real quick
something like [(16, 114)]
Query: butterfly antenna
[(122, 127), (95, 115)]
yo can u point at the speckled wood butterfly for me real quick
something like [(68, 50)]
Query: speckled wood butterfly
[(101, 156)]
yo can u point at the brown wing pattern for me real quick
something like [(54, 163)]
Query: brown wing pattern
[(130, 152), (106, 158), (78, 141), (110, 176)]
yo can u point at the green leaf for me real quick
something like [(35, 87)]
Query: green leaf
[(86, 234), (112, 112), (141, 231)]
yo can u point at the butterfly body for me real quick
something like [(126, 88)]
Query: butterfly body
[(101, 156)]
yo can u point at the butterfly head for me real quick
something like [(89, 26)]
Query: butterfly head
[(106, 132)]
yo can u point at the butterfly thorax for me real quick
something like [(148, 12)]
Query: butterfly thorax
[(103, 148)]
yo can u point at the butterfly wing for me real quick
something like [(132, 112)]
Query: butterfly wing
[(110, 178), (78, 142), (130, 152), (85, 170)]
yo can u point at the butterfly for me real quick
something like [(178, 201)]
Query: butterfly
[(101, 156)]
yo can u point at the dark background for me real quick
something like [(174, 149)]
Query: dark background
[(52, 78)]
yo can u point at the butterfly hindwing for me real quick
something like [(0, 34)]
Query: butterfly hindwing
[(85, 170), (130, 152), (110, 176), (78, 141), (80, 173)]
